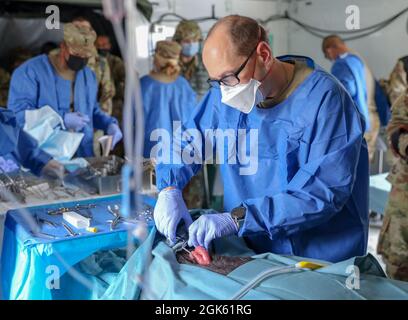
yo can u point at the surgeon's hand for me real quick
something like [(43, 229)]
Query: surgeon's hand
[(115, 132), (211, 226), (53, 169), (170, 209), (75, 121), (7, 165)]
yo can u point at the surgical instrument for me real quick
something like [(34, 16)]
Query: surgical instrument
[(45, 221), (75, 208), (43, 235), (114, 223), (71, 232), (115, 211)]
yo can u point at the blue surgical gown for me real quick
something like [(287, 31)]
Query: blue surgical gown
[(19, 146), (309, 194), (36, 83), (164, 103), (349, 70)]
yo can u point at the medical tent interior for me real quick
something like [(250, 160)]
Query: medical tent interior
[(141, 264)]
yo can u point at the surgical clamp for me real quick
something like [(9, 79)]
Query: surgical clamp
[(115, 211), (76, 208), (47, 222), (69, 229), (115, 222)]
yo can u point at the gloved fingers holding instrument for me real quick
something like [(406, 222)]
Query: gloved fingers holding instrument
[(170, 209), (209, 227)]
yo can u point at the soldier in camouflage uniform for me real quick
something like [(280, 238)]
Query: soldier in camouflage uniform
[(4, 87), (117, 69), (100, 65), (398, 82), (106, 88), (188, 33), (393, 242)]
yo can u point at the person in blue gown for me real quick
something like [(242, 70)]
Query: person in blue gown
[(304, 189), (349, 69), (168, 98), (17, 148), (62, 81)]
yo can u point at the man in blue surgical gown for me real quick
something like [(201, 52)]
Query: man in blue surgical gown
[(353, 72), (348, 68), (62, 80), (306, 188)]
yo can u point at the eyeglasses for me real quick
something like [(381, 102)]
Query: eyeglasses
[(231, 80)]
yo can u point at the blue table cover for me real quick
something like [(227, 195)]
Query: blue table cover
[(28, 262)]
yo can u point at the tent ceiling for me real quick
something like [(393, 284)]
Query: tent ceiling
[(77, 2)]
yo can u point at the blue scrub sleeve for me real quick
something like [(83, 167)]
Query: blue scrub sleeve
[(101, 119), (203, 117), (324, 181), (29, 155), (342, 72), (23, 92)]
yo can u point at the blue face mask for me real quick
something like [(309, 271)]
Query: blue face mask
[(190, 49)]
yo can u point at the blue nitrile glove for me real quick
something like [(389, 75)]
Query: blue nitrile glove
[(75, 121), (8, 165), (115, 132), (211, 226), (170, 209)]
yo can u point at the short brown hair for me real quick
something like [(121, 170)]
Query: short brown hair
[(331, 41), (245, 32)]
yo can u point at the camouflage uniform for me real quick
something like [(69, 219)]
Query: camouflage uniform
[(4, 87), (196, 74), (393, 242), (398, 81), (106, 90), (117, 68), (193, 70), (106, 87)]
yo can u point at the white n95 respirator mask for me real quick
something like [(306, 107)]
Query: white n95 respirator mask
[(242, 97)]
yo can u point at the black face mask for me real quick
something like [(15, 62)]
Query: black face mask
[(76, 63), (103, 52)]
